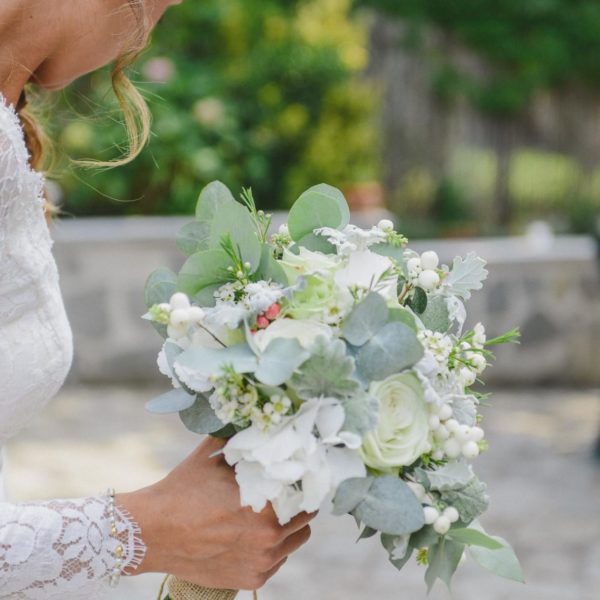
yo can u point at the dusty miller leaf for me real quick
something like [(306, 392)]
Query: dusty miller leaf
[(470, 501), (435, 316), (361, 413), (467, 274), (453, 476), (328, 372)]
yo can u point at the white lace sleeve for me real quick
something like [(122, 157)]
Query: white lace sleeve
[(63, 549)]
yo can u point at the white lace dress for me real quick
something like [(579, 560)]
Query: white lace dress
[(63, 548)]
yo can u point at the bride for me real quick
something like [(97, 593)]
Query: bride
[(190, 524)]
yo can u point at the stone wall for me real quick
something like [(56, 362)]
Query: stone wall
[(550, 287)]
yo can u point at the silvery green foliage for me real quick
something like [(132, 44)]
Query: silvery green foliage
[(350, 493), (160, 286), (328, 372), (444, 557), (390, 506), (452, 476), (470, 501), (361, 413), (320, 206), (392, 349), (473, 537), (467, 274), (391, 544), (464, 409), (279, 361), (200, 417), (209, 362), (367, 318), (170, 402), (502, 562), (435, 316)]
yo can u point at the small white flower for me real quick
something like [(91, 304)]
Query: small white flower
[(261, 295), (353, 238)]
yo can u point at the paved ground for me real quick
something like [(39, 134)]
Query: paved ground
[(544, 485)]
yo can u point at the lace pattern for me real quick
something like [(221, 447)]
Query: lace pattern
[(59, 549)]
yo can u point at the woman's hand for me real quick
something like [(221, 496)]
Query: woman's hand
[(194, 527)]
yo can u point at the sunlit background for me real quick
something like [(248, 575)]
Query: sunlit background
[(474, 124)]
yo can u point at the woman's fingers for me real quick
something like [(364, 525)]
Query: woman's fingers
[(293, 542), (298, 523)]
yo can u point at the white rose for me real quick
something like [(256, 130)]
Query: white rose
[(403, 430), (305, 331)]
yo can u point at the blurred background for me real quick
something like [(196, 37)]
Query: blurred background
[(474, 124)]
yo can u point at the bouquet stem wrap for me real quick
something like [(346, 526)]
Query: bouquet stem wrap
[(183, 590)]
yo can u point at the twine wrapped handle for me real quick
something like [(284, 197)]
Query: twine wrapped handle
[(182, 590)]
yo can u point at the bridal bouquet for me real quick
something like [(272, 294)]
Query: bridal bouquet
[(336, 362)]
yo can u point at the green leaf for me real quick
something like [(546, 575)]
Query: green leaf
[(470, 501), (193, 237), (403, 315), (201, 418), (472, 537), (235, 222), (365, 320), (502, 562), (269, 269), (452, 476), (320, 206), (211, 361), (418, 300), (425, 537), (467, 274), (436, 316), (203, 269), (350, 493), (160, 286), (366, 533), (212, 198), (279, 361), (361, 413), (170, 402), (328, 371), (316, 243), (396, 253), (390, 507), (444, 558), (394, 348)]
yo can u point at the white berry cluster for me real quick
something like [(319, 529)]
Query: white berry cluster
[(178, 314), (453, 439), (422, 271), (469, 358), (441, 521)]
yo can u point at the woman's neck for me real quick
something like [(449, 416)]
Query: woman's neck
[(27, 41)]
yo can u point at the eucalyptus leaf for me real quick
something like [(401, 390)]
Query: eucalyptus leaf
[(269, 269), (403, 315), (207, 362), (366, 533), (170, 402), (279, 361), (425, 537), (193, 237), (328, 372), (316, 243), (396, 253), (212, 198), (200, 417), (472, 537), (203, 269), (366, 319), (234, 221), (436, 316), (320, 206), (394, 348), (350, 493), (502, 562), (160, 286), (444, 558), (467, 274), (391, 507)]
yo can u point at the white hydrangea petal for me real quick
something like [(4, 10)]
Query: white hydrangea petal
[(316, 486), (255, 489), (329, 420), (364, 269), (287, 504), (192, 379), (287, 472)]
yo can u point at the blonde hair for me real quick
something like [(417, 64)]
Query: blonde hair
[(136, 114)]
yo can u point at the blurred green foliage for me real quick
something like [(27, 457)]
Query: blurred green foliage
[(529, 44), (264, 93)]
